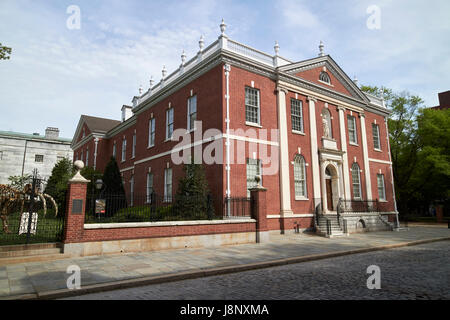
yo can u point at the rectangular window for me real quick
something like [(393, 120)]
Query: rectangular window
[(38, 158), (192, 112), (114, 150), (133, 150), (151, 132), (381, 190), (169, 123), (124, 149), (376, 136), (352, 129), (252, 105), (297, 115), (253, 170), (168, 185), (149, 187)]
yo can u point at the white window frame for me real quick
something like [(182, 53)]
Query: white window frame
[(169, 125), (376, 138), (250, 90), (124, 149), (300, 177), (251, 181), (191, 114), (325, 77), (299, 104), (356, 170), (151, 132), (382, 196), (133, 149), (114, 150), (168, 185), (352, 136)]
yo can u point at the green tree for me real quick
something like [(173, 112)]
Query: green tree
[(114, 190), (191, 199), (419, 150), (19, 182), (57, 184), (4, 52)]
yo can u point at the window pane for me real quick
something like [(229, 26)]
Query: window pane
[(376, 136), (381, 190), (252, 105), (299, 176), (356, 181), (297, 115), (253, 169)]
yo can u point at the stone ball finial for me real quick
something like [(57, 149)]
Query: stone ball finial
[(183, 58), (201, 43), (151, 81), (79, 165), (276, 48), (141, 90), (164, 72), (355, 80), (223, 27), (321, 46)]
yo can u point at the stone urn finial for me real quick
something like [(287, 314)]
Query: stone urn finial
[(78, 177), (258, 180)]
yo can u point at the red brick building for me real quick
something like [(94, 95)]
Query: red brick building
[(444, 100), (305, 127)]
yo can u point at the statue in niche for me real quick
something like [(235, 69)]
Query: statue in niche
[(326, 128)]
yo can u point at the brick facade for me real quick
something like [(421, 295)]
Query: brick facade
[(210, 88)]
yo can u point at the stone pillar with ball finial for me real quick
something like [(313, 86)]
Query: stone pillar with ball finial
[(75, 211), (259, 208)]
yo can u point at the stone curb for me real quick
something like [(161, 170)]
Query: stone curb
[(200, 273)]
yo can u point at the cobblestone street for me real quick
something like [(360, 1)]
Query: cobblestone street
[(416, 272)]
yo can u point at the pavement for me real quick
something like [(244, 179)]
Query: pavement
[(48, 279)]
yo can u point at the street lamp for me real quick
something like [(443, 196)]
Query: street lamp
[(99, 184)]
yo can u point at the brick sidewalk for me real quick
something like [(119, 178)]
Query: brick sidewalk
[(38, 279)]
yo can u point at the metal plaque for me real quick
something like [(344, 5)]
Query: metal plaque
[(77, 206)]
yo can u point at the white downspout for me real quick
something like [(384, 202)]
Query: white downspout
[(227, 68), (392, 172), (95, 152)]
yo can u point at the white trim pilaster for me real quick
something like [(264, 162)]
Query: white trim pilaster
[(345, 167), (285, 190), (366, 157), (314, 150)]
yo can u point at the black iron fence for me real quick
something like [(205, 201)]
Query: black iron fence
[(149, 208), (235, 207)]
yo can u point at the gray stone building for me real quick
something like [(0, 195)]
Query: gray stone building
[(20, 153)]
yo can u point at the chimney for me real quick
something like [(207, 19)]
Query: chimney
[(127, 113), (52, 133)]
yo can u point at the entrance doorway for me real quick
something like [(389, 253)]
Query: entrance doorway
[(329, 194)]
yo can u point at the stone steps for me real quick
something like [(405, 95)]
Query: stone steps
[(32, 252)]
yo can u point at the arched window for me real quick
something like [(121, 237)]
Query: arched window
[(324, 77), (326, 121), (300, 176), (356, 181)]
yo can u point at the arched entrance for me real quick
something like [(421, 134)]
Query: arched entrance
[(331, 188)]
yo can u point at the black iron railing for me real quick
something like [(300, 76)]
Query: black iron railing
[(357, 206), (237, 208), (149, 208)]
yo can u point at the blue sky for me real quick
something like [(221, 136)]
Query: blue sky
[(56, 74)]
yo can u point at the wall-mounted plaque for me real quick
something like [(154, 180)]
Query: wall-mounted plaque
[(77, 206)]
